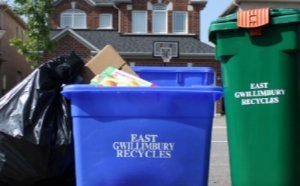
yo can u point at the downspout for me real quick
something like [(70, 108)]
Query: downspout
[(2, 26), (1, 40), (235, 3), (119, 16)]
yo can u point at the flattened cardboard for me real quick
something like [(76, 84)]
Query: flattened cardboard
[(105, 58)]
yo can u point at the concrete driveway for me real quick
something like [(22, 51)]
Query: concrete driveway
[(219, 173)]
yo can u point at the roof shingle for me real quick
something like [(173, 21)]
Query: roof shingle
[(139, 43), (103, 1)]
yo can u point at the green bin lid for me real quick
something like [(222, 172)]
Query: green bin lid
[(277, 16)]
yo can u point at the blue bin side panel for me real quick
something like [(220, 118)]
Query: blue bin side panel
[(122, 151), (145, 104), (151, 136)]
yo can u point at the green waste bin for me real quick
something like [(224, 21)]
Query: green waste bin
[(260, 73)]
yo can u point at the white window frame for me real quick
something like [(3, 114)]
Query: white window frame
[(72, 13), (146, 22), (110, 20), (154, 21), (186, 25)]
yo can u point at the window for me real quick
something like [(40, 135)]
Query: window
[(139, 22), (159, 18), (180, 22), (106, 21), (73, 18), (159, 7)]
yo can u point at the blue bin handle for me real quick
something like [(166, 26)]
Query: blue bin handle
[(218, 91)]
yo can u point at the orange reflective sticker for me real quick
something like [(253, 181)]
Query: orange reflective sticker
[(253, 18)]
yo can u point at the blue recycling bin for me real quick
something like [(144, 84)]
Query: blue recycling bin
[(142, 136), (176, 76)]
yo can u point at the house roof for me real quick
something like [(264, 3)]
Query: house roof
[(5, 7), (236, 3), (141, 45), (103, 1)]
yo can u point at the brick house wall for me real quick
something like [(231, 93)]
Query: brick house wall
[(180, 5), (66, 45), (15, 65), (126, 15)]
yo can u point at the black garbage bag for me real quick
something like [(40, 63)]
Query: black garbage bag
[(36, 145)]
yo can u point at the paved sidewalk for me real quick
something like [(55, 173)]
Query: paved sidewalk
[(219, 174)]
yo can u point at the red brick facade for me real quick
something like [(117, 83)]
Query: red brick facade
[(66, 45), (92, 13), (182, 5), (126, 15)]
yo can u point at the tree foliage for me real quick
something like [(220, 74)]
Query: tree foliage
[(38, 29)]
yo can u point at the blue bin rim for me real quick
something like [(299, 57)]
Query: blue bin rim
[(92, 88), (171, 69), (68, 90)]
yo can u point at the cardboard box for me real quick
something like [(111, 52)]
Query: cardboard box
[(105, 58)]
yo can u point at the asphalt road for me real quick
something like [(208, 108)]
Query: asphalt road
[(219, 173)]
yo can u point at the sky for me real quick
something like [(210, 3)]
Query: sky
[(211, 12)]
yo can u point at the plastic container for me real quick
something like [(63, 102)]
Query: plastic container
[(142, 136), (260, 68), (176, 76)]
